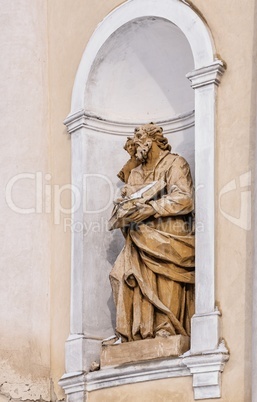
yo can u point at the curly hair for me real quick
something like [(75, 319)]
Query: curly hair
[(129, 139), (154, 132)]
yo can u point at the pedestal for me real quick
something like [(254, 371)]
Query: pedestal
[(143, 350)]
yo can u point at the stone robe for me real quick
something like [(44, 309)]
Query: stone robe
[(153, 277)]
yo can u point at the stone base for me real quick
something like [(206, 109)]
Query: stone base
[(205, 369), (147, 349)]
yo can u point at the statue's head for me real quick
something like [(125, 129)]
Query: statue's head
[(130, 146), (150, 129), (145, 135)]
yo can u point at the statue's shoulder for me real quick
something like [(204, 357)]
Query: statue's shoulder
[(176, 158), (173, 161), (170, 158), (137, 168)]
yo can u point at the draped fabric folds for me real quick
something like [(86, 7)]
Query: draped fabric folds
[(153, 277)]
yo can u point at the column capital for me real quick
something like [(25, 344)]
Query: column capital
[(75, 121), (207, 75)]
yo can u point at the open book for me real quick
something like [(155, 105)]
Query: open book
[(127, 206)]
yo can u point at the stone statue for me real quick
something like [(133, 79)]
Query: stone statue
[(133, 162), (153, 277)]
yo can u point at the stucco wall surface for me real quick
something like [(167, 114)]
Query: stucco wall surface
[(24, 233), (35, 140), (175, 390), (70, 26), (233, 25)]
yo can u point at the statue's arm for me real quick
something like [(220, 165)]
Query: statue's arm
[(179, 199)]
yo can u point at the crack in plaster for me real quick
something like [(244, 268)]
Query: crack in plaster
[(7, 397), (16, 387)]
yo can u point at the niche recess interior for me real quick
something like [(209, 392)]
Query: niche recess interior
[(140, 73), (134, 71)]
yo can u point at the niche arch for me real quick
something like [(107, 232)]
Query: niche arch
[(91, 118)]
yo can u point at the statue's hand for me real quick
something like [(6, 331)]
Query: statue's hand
[(143, 212), (124, 191)]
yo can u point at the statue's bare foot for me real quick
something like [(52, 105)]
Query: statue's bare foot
[(163, 333), (112, 340)]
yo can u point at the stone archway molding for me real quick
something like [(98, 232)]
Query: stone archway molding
[(176, 11)]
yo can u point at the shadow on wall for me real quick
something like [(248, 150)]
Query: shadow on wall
[(140, 74)]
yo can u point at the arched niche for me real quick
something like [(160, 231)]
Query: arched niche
[(140, 73), (138, 76), (134, 71)]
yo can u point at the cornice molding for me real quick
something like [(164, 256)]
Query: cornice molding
[(205, 369), (207, 75), (82, 119)]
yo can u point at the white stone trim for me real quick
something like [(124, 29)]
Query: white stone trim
[(73, 382), (81, 351), (205, 323), (207, 75), (205, 332), (205, 369), (82, 119), (180, 14), (131, 374)]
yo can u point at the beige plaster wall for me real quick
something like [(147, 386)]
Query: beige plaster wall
[(69, 28), (27, 147), (24, 238), (233, 27), (175, 390)]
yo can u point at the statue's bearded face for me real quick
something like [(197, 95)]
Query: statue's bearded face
[(143, 145)]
